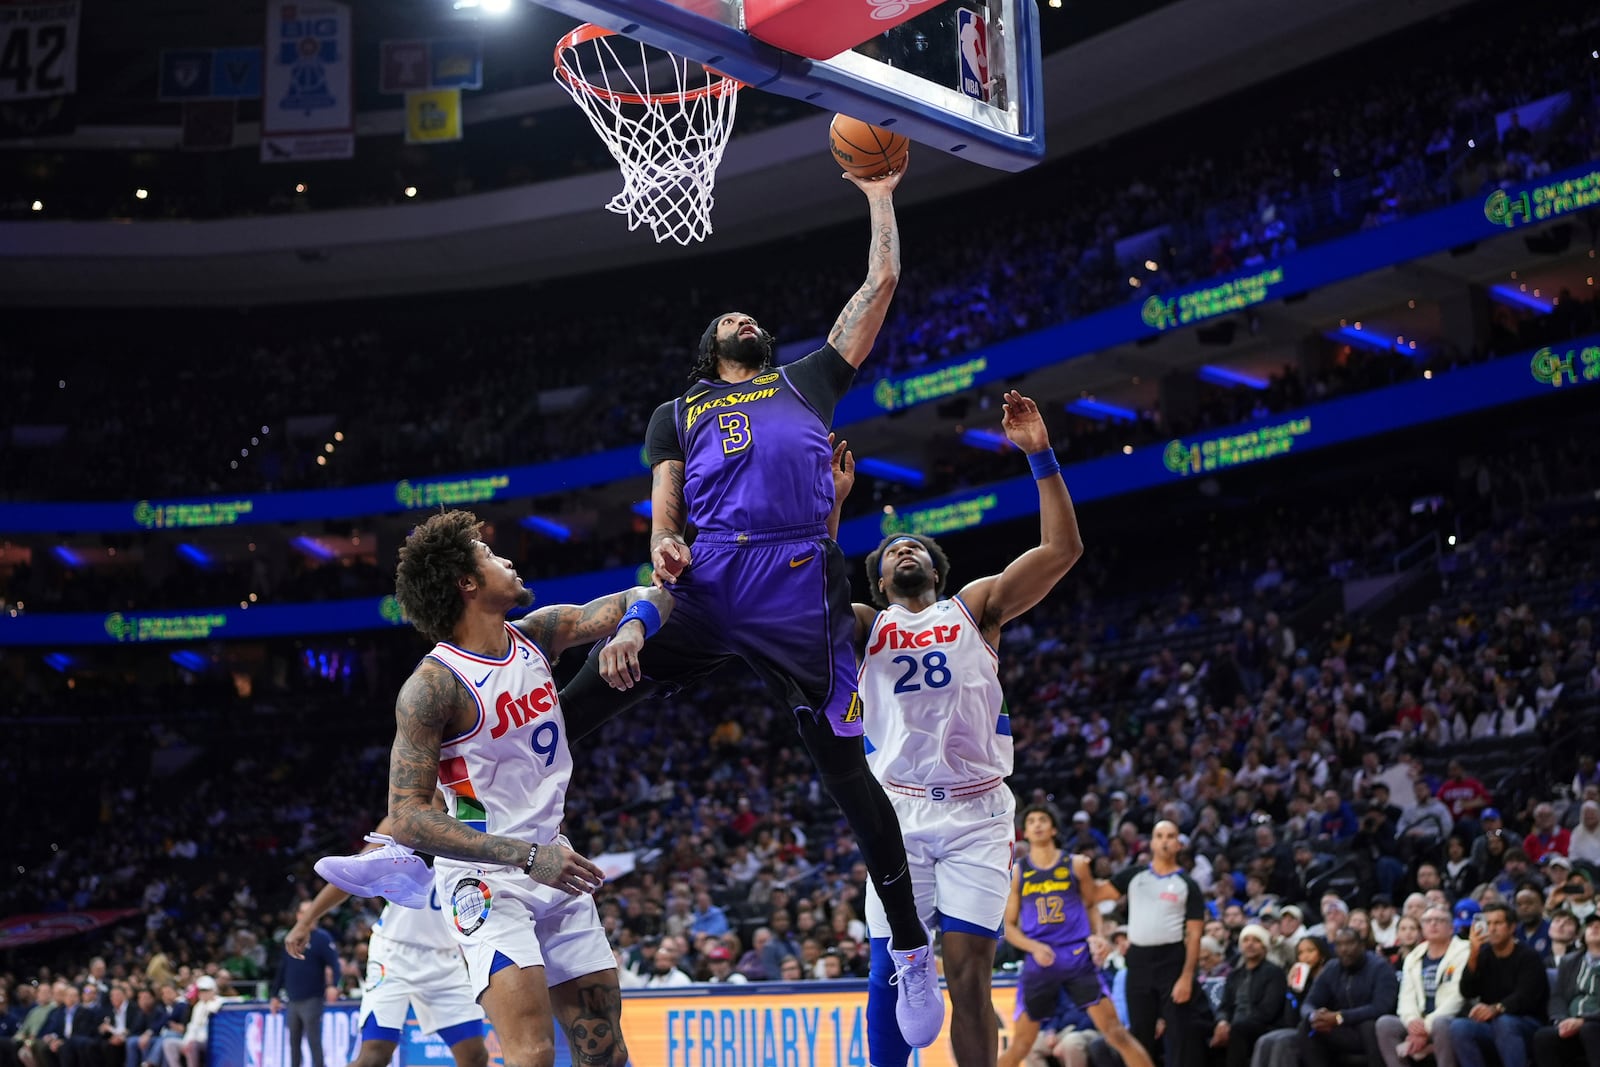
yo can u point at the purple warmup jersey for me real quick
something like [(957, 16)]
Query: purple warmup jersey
[(756, 456), (1052, 909)]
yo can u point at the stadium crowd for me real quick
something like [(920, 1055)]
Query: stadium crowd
[(1387, 147)]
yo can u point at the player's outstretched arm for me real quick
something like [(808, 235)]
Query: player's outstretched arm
[(629, 618), (858, 324), (426, 704), (669, 518), (996, 600)]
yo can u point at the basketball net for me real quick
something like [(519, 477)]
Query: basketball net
[(665, 120)]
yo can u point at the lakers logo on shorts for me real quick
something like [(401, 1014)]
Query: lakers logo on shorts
[(376, 973), (853, 712), (469, 905)]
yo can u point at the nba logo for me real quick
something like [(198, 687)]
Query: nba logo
[(973, 33)]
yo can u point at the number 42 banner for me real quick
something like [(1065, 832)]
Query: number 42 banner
[(38, 48)]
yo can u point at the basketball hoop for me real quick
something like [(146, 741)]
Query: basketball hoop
[(665, 120)]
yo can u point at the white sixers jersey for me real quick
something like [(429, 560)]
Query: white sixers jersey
[(424, 927), (508, 774), (932, 706)]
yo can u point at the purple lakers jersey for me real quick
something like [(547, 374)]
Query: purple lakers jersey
[(1052, 909), (755, 455)]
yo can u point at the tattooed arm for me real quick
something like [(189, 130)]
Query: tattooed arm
[(428, 702), (669, 517), (560, 626), (857, 327)]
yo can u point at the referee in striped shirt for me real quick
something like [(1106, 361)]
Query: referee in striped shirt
[(1166, 912)]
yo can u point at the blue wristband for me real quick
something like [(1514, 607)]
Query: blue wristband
[(1044, 463), (646, 614)]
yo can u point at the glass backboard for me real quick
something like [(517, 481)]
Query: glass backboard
[(962, 77)]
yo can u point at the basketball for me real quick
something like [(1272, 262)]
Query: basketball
[(865, 150)]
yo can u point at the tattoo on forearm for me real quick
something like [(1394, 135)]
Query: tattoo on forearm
[(427, 702), (670, 519), (883, 269)]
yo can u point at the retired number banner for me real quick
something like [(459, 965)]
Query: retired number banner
[(38, 49)]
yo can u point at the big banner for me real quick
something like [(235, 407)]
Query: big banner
[(308, 102)]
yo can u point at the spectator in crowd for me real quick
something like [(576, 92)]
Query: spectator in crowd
[(191, 1051), (1583, 842), (146, 1029), (1533, 929), (1566, 936), (1408, 936), (1546, 836), (1284, 950), (1253, 1000), (1425, 824), (69, 1033), (1346, 1002), (1281, 1048), (1507, 980), (1573, 1037), (1383, 920), (1430, 997)]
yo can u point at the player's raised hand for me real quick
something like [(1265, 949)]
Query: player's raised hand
[(559, 867), (669, 556), (1023, 425), (883, 184), (619, 660), (843, 468)]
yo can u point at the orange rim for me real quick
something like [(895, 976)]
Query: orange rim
[(590, 32)]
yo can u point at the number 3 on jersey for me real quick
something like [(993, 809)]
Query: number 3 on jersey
[(735, 427), (935, 675)]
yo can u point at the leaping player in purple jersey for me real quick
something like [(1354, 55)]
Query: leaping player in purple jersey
[(742, 459), (1050, 917)]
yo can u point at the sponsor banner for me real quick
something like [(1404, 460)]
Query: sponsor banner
[(453, 490), (1528, 204), (38, 49), (1527, 375), (433, 116), (267, 620), (308, 99), (820, 1024), (21, 930)]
